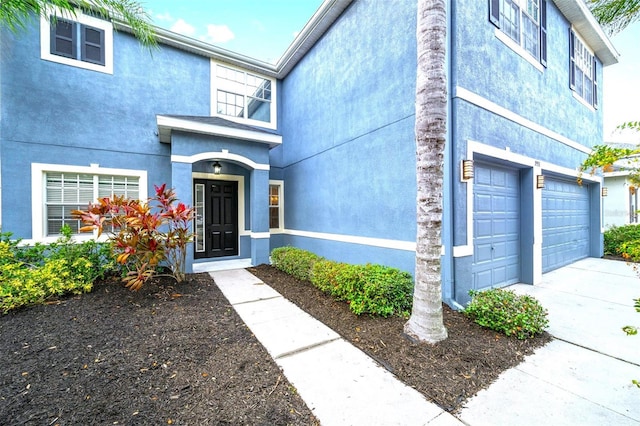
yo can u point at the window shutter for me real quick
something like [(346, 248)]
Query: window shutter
[(92, 45), (572, 62), (595, 82), (63, 36), (494, 12), (543, 32)]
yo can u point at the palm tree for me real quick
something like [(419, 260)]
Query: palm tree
[(615, 15), (426, 323), (15, 14)]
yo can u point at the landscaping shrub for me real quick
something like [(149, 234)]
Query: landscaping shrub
[(504, 311), (32, 274), (146, 234), (619, 240), (341, 280), (382, 291), (294, 261), (372, 289)]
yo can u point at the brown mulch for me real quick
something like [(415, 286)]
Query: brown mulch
[(179, 354), (447, 373), (168, 354)]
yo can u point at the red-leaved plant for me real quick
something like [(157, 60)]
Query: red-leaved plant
[(143, 233)]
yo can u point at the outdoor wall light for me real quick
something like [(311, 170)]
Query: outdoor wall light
[(605, 191), (540, 181), (467, 169), (217, 168)]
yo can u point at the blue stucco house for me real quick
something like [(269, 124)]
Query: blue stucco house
[(317, 151)]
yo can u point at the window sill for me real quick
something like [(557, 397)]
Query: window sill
[(582, 101), (518, 49)]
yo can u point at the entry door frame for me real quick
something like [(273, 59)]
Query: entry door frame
[(237, 213)]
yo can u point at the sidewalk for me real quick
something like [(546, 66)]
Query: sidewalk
[(339, 383), (582, 377)]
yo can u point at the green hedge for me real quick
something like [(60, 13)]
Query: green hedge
[(622, 240), (371, 288), (505, 311)]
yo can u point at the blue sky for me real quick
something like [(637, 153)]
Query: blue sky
[(622, 86), (263, 29)]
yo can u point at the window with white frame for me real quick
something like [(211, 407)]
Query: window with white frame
[(524, 22), (243, 96), (82, 41), (68, 191), (583, 70), (275, 205)]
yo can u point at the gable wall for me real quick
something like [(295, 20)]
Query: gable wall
[(347, 118), (55, 113)]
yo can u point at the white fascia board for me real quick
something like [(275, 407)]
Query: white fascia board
[(577, 12), (212, 129)]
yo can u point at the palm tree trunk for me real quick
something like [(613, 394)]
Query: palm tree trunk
[(425, 323)]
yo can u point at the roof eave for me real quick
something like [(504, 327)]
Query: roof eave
[(577, 12)]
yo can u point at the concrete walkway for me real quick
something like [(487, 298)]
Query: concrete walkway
[(583, 377), (339, 383)]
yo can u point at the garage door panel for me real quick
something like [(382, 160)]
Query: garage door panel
[(565, 223), (496, 226)]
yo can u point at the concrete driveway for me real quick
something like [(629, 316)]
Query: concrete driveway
[(583, 376)]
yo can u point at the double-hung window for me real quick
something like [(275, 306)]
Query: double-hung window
[(524, 22), (582, 71), (243, 96), (84, 42), (68, 191), (276, 205)]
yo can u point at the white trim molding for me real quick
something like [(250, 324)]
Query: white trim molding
[(353, 239), (477, 100), (260, 235), (174, 123), (38, 171), (106, 26), (219, 155)]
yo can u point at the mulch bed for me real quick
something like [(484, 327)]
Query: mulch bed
[(179, 354), (168, 354), (447, 373)]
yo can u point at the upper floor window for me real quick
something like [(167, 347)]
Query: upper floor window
[(77, 41), (84, 42), (244, 96), (525, 22), (583, 71)]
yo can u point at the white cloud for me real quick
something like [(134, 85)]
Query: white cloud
[(164, 17), (218, 34), (183, 28)]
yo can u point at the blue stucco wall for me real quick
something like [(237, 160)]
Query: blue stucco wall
[(484, 65), (55, 113), (347, 118)]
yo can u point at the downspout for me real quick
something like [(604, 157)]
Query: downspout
[(447, 267)]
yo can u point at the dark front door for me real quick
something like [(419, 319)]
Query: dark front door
[(220, 218)]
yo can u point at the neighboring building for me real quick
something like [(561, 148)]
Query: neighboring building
[(318, 150), (620, 192)]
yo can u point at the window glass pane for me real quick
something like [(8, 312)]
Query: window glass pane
[(259, 110), (274, 217), (199, 218), (510, 19), (66, 192)]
